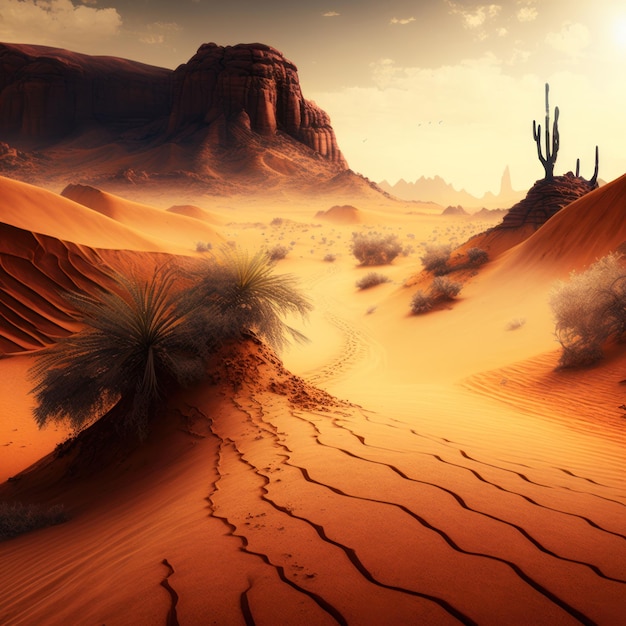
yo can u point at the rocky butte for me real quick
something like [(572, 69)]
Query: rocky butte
[(229, 113)]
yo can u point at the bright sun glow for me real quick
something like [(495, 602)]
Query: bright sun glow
[(619, 31)]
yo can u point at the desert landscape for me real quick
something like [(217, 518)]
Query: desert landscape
[(420, 457)]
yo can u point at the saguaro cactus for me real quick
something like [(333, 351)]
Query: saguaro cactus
[(552, 148)]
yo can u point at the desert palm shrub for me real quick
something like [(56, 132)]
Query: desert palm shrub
[(374, 249), (17, 518), (590, 309), (241, 293), (139, 338), (435, 259), (371, 280), (477, 256), (421, 303), (444, 289)]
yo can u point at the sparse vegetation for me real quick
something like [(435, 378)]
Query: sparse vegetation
[(374, 249), (202, 246), (139, 339), (477, 256), (589, 310), (17, 518), (444, 289), (144, 338), (240, 293), (371, 280), (435, 259), (516, 323), (440, 290), (421, 303), (277, 253), (330, 258)]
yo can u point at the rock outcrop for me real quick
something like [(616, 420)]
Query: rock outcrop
[(454, 210), (233, 113), (545, 199), (48, 94), (250, 86)]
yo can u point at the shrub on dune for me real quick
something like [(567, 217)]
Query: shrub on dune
[(440, 290), (17, 518), (477, 256), (143, 339), (589, 310), (435, 259), (373, 249), (445, 289), (371, 280), (278, 253), (421, 303), (240, 292), (139, 339)]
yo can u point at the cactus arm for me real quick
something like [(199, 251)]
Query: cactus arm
[(594, 178)]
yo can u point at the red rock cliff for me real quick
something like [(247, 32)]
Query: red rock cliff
[(48, 95), (252, 84)]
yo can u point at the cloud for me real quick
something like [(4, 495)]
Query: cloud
[(158, 32), (502, 32), (56, 22), (527, 13), (572, 39), (476, 17), (330, 14), (403, 21)]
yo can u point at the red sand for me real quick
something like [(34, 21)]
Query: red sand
[(473, 484)]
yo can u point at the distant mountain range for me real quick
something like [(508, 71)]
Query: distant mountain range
[(438, 190)]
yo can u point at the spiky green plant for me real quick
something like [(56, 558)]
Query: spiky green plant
[(139, 338), (240, 292)]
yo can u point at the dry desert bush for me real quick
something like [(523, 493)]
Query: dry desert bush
[(17, 518), (375, 249), (372, 279), (278, 252), (435, 259), (589, 310), (441, 290), (477, 256)]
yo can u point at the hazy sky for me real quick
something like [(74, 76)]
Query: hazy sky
[(446, 87)]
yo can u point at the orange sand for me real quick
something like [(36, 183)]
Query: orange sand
[(472, 484)]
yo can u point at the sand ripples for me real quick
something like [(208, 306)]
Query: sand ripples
[(414, 527)]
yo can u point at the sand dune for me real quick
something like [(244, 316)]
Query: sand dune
[(40, 211), (35, 271), (341, 214), (167, 226), (196, 212), (470, 483), (578, 235), (316, 510)]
